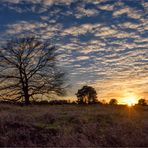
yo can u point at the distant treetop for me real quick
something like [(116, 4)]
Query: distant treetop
[(86, 95)]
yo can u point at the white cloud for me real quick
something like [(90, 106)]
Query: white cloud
[(106, 7), (82, 29), (132, 13)]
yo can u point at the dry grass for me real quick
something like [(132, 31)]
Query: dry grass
[(73, 125)]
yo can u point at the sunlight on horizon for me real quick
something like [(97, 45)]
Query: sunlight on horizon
[(130, 100)]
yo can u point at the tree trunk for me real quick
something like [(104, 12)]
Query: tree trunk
[(27, 101), (26, 95), (24, 84)]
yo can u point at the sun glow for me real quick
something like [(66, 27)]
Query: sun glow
[(130, 100)]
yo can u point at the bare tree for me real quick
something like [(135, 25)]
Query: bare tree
[(28, 70)]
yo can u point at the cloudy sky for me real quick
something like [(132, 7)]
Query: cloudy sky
[(103, 43)]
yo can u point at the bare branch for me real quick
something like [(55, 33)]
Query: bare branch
[(28, 68)]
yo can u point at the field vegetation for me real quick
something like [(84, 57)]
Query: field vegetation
[(73, 125)]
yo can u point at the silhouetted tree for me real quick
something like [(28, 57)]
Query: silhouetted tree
[(28, 69), (86, 95), (103, 101), (113, 102), (142, 102)]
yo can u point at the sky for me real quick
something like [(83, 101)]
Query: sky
[(102, 43)]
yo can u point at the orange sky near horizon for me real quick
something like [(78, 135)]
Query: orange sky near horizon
[(124, 90)]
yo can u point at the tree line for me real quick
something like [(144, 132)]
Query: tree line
[(88, 95)]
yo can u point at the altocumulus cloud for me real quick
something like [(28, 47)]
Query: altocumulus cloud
[(101, 42)]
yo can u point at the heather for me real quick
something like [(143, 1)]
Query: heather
[(73, 125)]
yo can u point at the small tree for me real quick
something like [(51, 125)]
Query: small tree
[(113, 102), (103, 101), (142, 102), (86, 95), (28, 70)]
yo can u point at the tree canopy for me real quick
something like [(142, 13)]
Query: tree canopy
[(113, 102), (86, 95), (142, 102)]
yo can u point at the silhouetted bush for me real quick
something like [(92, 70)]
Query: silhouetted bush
[(59, 102), (52, 102), (44, 102), (11, 102)]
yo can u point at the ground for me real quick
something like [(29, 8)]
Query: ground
[(73, 125)]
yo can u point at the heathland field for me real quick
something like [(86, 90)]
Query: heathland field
[(73, 125)]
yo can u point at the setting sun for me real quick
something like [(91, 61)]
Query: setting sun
[(130, 100), (130, 103)]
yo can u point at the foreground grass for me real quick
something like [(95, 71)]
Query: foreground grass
[(73, 125)]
